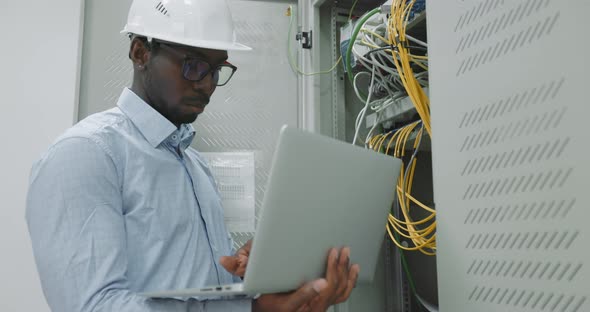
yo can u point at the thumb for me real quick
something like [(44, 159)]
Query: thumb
[(306, 293), (230, 263)]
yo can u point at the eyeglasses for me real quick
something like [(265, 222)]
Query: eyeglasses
[(194, 69)]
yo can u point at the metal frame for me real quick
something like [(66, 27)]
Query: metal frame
[(79, 62)]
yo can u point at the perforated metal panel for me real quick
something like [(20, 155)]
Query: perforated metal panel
[(245, 115), (509, 153)]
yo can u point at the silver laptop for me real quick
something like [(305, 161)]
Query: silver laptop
[(321, 193)]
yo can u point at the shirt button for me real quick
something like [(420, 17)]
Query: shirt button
[(174, 137)]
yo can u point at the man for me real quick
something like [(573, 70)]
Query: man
[(120, 204)]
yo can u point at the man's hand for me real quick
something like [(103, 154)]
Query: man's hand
[(237, 263), (341, 278), (296, 301), (318, 295)]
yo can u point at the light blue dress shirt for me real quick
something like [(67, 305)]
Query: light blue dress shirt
[(120, 204)]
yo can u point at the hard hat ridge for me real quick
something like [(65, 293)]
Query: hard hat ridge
[(197, 23)]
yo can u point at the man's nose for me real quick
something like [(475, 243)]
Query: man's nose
[(206, 85)]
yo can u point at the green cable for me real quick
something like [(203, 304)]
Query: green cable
[(355, 33), (352, 9), (405, 265)]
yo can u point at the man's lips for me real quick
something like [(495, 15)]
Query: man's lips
[(196, 102)]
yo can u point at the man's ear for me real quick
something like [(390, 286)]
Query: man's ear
[(139, 53)]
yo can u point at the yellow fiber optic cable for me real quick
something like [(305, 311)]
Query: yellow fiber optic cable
[(397, 27), (422, 239)]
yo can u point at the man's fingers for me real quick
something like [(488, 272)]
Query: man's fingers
[(245, 250), (344, 296), (306, 293), (304, 308), (230, 263), (344, 259), (353, 275), (343, 263), (332, 269), (242, 263), (242, 259), (355, 269), (342, 271), (236, 264)]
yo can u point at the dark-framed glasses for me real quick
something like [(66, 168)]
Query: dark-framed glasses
[(195, 69)]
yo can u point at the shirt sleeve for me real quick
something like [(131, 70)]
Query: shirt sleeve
[(75, 220)]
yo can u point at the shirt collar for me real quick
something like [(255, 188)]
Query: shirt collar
[(152, 125)]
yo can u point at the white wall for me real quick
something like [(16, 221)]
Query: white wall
[(39, 54)]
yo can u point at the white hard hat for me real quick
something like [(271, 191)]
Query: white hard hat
[(196, 23)]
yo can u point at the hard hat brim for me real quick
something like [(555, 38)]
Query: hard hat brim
[(205, 44)]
